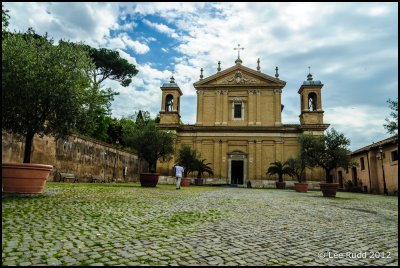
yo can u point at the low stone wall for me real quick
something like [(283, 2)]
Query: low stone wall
[(312, 185), (84, 157)]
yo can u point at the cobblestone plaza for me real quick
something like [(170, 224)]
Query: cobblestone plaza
[(125, 224)]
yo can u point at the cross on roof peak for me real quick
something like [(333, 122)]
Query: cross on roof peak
[(238, 49)]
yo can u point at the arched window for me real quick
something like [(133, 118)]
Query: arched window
[(169, 103), (312, 101)]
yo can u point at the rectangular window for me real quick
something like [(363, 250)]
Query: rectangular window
[(237, 111), (395, 157), (362, 163), (347, 170)]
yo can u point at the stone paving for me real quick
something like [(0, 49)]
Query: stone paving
[(124, 224)]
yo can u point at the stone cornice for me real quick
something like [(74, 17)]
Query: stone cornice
[(320, 127), (204, 82), (292, 128)]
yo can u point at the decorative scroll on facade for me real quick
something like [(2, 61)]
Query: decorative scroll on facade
[(239, 78)]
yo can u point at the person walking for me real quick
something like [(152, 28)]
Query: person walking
[(178, 174)]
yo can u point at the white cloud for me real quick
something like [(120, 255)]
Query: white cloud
[(162, 28), (135, 45), (127, 26), (71, 21), (373, 10), (123, 41), (361, 124), (143, 93), (351, 47)]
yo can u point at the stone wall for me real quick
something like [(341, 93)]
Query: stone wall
[(86, 158), (312, 185)]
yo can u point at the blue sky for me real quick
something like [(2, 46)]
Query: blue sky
[(351, 47)]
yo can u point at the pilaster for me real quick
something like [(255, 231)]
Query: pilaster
[(258, 160), (225, 107), (278, 119), (224, 160), (200, 107), (218, 107), (251, 166), (250, 105), (258, 94), (217, 159)]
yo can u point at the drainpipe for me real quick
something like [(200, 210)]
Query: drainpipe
[(369, 173)]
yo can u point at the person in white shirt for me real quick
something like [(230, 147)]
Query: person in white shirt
[(178, 174)]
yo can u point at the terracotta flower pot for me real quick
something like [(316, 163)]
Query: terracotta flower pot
[(186, 181), (198, 182), (149, 179), (24, 178), (329, 189), (301, 187)]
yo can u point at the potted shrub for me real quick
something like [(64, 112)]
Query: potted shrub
[(297, 167), (152, 144), (187, 157), (279, 169), (201, 168), (44, 92), (329, 152)]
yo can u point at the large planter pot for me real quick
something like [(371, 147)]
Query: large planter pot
[(149, 179), (198, 182), (280, 185), (301, 187), (24, 178), (329, 189), (186, 181)]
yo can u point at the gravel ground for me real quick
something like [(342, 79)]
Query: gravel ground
[(125, 224)]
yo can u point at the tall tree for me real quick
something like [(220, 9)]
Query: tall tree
[(328, 151), (151, 143), (4, 18), (392, 125), (115, 131), (44, 86), (110, 65)]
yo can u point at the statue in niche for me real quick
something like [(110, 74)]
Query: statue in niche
[(312, 102), (169, 103)]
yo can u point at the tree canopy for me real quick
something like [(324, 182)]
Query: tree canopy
[(201, 167), (151, 143), (187, 157), (328, 151), (392, 125), (278, 168), (110, 65), (296, 166), (45, 87), (4, 18)]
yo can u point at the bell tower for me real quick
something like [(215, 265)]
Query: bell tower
[(170, 104), (310, 102)]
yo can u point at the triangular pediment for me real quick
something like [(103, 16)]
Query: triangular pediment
[(239, 75)]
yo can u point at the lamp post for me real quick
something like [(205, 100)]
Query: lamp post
[(115, 161), (383, 171)]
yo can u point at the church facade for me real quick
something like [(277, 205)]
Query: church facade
[(239, 127)]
